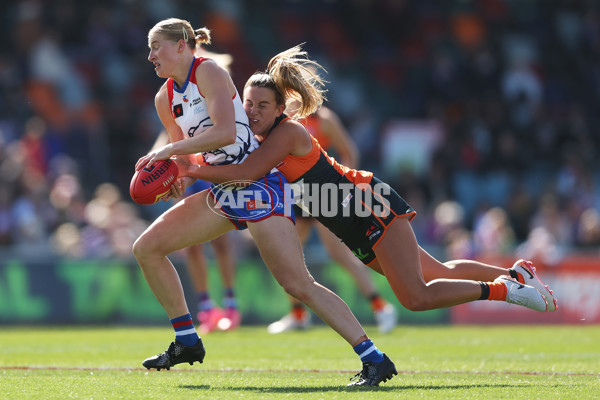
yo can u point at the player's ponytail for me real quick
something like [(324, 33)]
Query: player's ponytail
[(202, 36), (295, 77)]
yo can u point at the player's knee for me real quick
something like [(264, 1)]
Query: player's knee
[(138, 248), (142, 248), (416, 302), (292, 289), (298, 289)]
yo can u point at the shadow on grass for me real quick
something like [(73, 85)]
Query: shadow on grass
[(320, 389)]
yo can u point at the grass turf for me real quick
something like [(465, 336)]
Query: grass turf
[(435, 362)]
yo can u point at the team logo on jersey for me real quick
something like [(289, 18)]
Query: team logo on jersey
[(177, 110)]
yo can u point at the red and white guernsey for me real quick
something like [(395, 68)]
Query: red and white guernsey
[(188, 108)]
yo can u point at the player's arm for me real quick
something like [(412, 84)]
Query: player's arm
[(288, 138), (340, 139), (218, 90), (161, 104)]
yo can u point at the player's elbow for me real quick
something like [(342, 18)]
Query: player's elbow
[(229, 135)]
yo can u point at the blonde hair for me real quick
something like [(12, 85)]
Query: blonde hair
[(293, 76), (175, 29)]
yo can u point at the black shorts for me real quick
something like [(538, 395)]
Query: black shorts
[(365, 220)]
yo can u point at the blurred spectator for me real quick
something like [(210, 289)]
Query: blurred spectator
[(541, 246), (555, 223), (588, 230), (111, 226), (459, 245), (448, 216), (514, 87), (493, 234)]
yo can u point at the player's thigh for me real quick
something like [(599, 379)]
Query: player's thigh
[(280, 248), (398, 256), (431, 267), (189, 222)]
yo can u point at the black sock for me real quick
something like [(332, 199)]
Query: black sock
[(485, 291)]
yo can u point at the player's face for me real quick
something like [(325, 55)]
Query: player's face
[(261, 109), (163, 54)]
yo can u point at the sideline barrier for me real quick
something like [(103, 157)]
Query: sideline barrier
[(61, 291)]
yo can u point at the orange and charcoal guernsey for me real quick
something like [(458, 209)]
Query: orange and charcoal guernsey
[(318, 167)]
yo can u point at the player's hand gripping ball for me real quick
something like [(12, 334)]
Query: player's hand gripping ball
[(148, 185)]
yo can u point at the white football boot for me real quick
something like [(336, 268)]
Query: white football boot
[(386, 318), (526, 274), (290, 323), (523, 295)]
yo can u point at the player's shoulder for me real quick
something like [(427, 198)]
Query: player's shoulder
[(290, 124), (293, 130), (162, 93), (209, 73)]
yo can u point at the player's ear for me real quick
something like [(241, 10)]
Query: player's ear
[(280, 109)]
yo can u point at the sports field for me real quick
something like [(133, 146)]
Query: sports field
[(434, 362)]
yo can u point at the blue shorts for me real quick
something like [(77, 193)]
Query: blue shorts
[(197, 187), (268, 196)]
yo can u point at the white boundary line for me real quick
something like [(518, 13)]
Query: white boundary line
[(259, 370)]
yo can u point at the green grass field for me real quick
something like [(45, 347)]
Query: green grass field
[(434, 362)]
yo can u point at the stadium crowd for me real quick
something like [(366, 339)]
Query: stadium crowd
[(513, 86)]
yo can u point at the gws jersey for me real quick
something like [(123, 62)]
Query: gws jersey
[(188, 108)]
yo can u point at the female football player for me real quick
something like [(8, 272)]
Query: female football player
[(327, 128)]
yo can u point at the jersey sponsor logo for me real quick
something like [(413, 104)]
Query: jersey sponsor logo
[(373, 233), (177, 110), (185, 99), (196, 105), (371, 230)]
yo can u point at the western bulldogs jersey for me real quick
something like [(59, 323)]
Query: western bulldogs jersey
[(188, 108)]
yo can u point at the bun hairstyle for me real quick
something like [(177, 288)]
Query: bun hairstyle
[(175, 29), (202, 36), (293, 76)]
